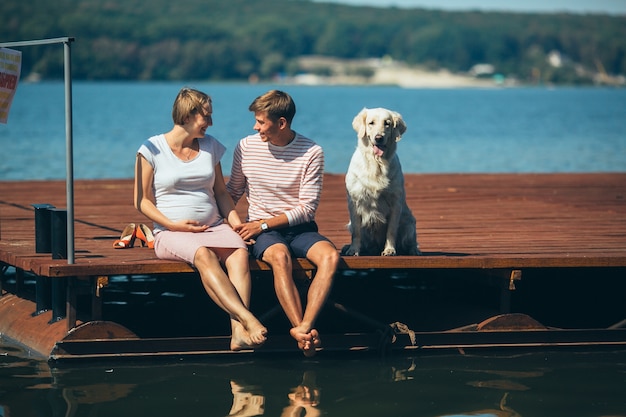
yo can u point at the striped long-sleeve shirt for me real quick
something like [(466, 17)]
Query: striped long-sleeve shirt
[(278, 179)]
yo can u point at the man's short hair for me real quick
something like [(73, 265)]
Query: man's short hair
[(276, 104)]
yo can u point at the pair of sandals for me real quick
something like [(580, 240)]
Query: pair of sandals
[(132, 232)]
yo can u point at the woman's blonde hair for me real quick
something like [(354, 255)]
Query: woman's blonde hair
[(189, 102)]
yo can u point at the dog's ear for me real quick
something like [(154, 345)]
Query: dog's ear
[(358, 123), (399, 125)]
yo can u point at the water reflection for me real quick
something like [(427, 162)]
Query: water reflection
[(248, 400), (304, 399), (541, 383), (502, 411), (188, 389)]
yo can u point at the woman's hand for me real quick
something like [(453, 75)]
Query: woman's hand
[(187, 226)]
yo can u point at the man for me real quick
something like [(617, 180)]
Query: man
[(281, 173)]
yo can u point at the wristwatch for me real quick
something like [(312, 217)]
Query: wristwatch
[(264, 226)]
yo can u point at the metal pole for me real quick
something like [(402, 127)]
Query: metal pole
[(69, 152), (35, 42), (69, 146)]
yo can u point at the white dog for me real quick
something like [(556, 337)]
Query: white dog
[(381, 223)]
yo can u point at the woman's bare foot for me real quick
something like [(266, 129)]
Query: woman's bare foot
[(258, 333), (247, 339)]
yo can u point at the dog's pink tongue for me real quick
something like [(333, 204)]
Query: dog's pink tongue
[(378, 151)]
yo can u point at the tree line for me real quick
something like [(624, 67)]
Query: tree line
[(237, 39)]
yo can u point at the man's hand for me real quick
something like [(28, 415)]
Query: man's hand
[(248, 231)]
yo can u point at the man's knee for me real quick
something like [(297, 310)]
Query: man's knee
[(278, 256), (331, 258), (324, 254)]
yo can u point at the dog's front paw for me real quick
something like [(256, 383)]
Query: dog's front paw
[(349, 250), (389, 252)]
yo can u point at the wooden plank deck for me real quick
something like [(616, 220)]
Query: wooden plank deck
[(494, 225), (504, 221)]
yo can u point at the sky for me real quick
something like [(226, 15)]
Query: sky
[(614, 7)]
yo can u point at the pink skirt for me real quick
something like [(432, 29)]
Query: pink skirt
[(182, 246)]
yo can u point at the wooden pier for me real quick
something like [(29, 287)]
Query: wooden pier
[(563, 231)]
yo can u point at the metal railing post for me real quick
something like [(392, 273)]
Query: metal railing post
[(69, 145), (69, 151)]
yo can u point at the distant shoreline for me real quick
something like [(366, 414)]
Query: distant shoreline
[(319, 70), (323, 70), (402, 78)]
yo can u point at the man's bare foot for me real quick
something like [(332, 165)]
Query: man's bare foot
[(316, 342), (244, 339), (307, 341)]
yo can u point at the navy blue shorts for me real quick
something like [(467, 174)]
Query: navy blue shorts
[(299, 239)]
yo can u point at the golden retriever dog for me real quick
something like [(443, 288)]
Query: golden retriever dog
[(381, 222)]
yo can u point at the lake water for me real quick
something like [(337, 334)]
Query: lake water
[(464, 130), (457, 130), (537, 384)]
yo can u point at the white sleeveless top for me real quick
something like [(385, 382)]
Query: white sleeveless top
[(184, 189)]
